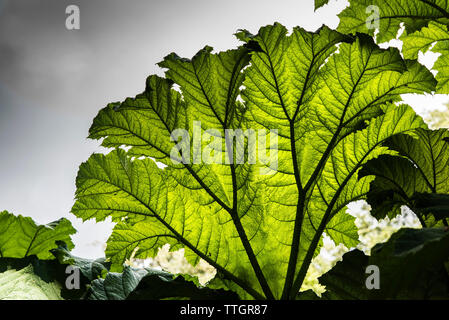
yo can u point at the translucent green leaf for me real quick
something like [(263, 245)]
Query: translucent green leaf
[(27, 268), (415, 14), (435, 34), (425, 22), (322, 100)]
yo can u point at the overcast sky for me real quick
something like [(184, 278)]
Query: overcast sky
[(54, 81)]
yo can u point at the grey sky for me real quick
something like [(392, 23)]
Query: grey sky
[(54, 81)]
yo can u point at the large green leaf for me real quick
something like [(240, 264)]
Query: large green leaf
[(425, 22), (423, 168), (410, 266), (258, 223)]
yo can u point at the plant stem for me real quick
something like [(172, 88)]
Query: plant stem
[(242, 234)]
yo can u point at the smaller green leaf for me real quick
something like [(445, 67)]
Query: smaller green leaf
[(424, 22), (31, 278), (434, 33), (27, 268), (432, 203), (422, 167), (161, 285), (410, 266), (91, 269), (149, 284), (396, 181), (21, 236)]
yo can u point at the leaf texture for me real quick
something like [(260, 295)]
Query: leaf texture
[(325, 104)]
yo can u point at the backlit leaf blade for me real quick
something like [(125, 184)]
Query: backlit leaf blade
[(435, 34), (425, 22), (415, 14), (329, 108)]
